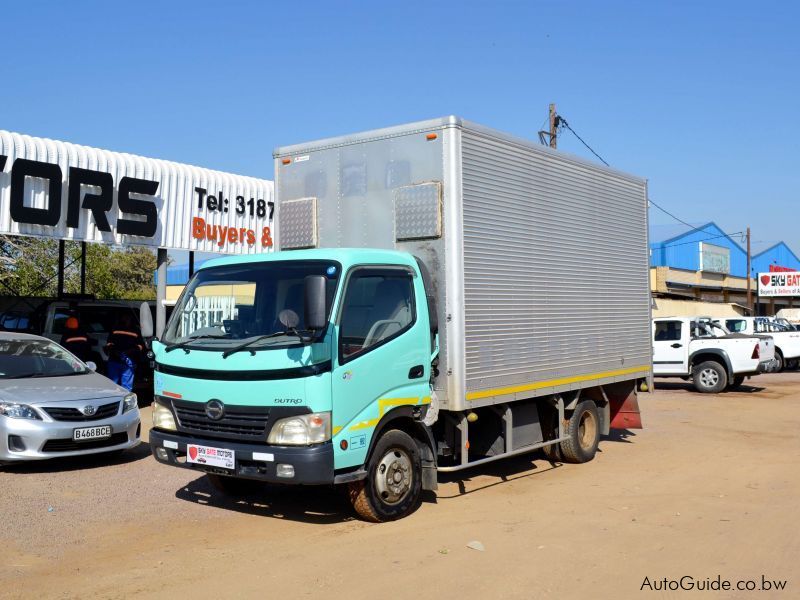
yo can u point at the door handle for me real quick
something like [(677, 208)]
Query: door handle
[(677, 345), (416, 372)]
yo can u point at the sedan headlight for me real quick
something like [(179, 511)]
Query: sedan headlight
[(18, 411), (301, 430), (129, 402), (162, 417)]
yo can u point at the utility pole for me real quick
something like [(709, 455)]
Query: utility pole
[(553, 126), (749, 293)]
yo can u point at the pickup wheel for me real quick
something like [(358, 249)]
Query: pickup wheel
[(738, 380), (779, 363), (583, 433), (393, 486), (232, 486), (709, 377)]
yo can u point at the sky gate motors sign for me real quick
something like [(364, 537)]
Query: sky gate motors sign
[(779, 284), (64, 191)]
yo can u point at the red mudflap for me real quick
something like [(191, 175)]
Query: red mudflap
[(625, 413)]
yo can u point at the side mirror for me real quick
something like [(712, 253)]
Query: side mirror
[(315, 309), (91, 365), (145, 320)]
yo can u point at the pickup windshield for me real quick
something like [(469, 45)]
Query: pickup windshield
[(223, 306)]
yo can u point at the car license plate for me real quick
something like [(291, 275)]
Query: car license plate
[(212, 457), (85, 434)]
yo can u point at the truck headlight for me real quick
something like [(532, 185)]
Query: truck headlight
[(18, 411), (162, 417), (129, 402), (301, 430)]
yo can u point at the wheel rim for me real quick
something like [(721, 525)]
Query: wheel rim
[(587, 430), (393, 476), (709, 377)]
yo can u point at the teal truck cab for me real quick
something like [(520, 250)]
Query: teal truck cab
[(440, 300)]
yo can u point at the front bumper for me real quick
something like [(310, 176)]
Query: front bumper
[(313, 465), (34, 436)]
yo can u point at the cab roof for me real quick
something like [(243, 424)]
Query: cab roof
[(347, 257)]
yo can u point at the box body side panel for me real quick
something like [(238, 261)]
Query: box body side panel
[(556, 282)]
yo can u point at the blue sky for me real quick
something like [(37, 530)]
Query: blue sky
[(702, 98)]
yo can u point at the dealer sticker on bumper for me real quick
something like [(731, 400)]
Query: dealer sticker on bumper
[(212, 457)]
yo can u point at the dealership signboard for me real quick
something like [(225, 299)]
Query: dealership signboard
[(59, 190), (779, 284), (715, 259)]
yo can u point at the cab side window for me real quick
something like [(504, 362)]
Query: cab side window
[(668, 331), (378, 306)]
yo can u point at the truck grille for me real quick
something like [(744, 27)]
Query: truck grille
[(73, 414), (69, 445), (239, 422)]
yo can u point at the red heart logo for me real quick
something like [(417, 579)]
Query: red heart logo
[(192, 452), (765, 280)]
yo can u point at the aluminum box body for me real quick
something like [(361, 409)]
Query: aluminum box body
[(539, 259)]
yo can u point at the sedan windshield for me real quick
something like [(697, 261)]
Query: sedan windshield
[(222, 306), (21, 358)]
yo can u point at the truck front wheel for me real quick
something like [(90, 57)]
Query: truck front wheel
[(393, 486), (583, 433), (709, 377)]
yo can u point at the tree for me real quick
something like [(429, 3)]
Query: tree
[(29, 267)]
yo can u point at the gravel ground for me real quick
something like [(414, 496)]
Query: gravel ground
[(710, 486)]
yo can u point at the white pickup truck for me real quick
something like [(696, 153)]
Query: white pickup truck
[(787, 340), (698, 348)]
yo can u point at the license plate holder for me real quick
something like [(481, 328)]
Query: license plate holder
[(90, 434), (209, 456)]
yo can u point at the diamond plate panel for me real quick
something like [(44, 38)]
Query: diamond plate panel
[(418, 211), (298, 224)]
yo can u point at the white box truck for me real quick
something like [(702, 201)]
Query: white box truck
[(444, 295)]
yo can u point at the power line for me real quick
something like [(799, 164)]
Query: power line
[(713, 237), (562, 121)]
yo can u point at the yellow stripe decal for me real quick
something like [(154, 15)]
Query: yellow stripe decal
[(384, 404), (337, 429), (553, 382), (364, 424)]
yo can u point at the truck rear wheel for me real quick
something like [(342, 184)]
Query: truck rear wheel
[(709, 377), (583, 434), (393, 485)]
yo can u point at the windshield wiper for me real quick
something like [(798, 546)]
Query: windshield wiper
[(185, 343), (260, 338)]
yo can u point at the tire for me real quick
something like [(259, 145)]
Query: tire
[(393, 486), (709, 377), (738, 380), (231, 486), (779, 362), (583, 433), (553, 453)]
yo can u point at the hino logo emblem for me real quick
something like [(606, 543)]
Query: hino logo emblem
[(215, 410), (88, 410)]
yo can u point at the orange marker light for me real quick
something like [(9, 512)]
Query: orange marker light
[(172, 395), (286, 161), (343, 445), (431, 136)]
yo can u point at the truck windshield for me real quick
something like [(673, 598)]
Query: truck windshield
[(227, 304)]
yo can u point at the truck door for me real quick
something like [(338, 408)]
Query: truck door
[(670, 347), (383, 357)]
